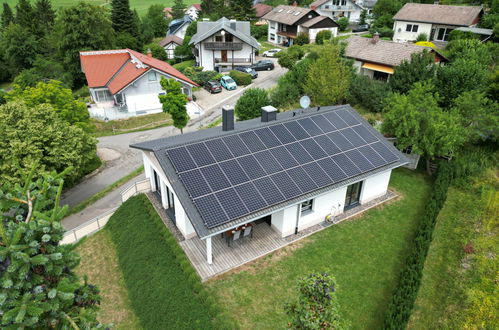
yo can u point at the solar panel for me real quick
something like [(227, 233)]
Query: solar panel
[(372, 155), (215, 177), (317, 174), (269, 191), (236, 145), (296, 130), (365, 134), (287, 186), (313, 149), (200, 154), (299, 153), (234, 172), (384, 152), (352, 137), (252, 141), (323, 123), (268, 162), (284, 157), (267, 137), (181, 159), (310, 127), (347, 117), (301, 178), (327, 145), (250, 196), (335, 120), (340, 141), (231, 203), (346, 164), (212, 212), (251, 167), (195, 184), (333, 170), (282, 134), (359, 160), (219, 150)]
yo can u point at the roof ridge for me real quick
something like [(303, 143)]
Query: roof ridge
[(117, 72)]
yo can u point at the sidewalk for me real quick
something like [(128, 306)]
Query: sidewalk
[(106, 203)]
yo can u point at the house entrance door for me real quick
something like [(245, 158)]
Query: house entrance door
[(353, 195), (157, 183), (170, 207), (224, 55)]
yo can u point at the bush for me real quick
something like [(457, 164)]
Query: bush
[(385, 32), (322, 36), (368, 93), (302, 39), (259, 31), (343, 23), (204, 76), (241, 78), (422, 37), (250, 103), (156, 50), (457, 35), (287, 58), (181, 66), (290, 85)]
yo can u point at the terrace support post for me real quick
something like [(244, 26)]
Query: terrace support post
[(209, 255)]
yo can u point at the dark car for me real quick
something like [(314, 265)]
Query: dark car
[(248, 70), (361, 28), (263, 65), (213, 86)]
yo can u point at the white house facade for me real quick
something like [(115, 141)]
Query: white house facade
[(169, 43), (338, 8), (287, 173), (224, 44), (193, 11)]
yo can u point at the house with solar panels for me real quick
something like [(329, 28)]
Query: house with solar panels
[(279, 174)]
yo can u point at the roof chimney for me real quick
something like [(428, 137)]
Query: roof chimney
[(269, 113), (375, 38), (313, 7), (227, 118), (233, 24), (149, 52)]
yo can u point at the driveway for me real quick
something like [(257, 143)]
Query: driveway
[(129, 159)]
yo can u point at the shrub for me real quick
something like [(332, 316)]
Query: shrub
[(290, 85), (241, 78), (384, 32), (368, 93), (287, 58), (250, 103), (156, 50), (302, 39), (322, 36), (182, 65), (458, 35), (422, 37), (204, 76), (343, 23), (259, 31)]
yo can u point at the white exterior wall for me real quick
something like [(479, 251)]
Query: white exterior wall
[(312, 33), (181, 220), (284, 221), (143, 94), (272, 32), (170, 50), (401, 35), (181, 33), (375, 186), (329, 203), (350, 10), (192, 12), (206, 58)]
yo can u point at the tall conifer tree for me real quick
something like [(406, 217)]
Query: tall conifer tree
[(242, 10), (123, 18), (178, 9), (24, 14), (7, 16), (44, 16)]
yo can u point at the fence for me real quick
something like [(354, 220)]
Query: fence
[(97, 223)]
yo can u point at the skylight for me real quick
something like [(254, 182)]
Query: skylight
[(280, 10), (297, 13)]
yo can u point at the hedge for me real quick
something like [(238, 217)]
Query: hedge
[(402, 302), (165, 291), (241, 78)]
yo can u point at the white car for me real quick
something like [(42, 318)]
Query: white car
[(271, 52)]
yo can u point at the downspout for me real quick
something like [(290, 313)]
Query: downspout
[(298, 214)]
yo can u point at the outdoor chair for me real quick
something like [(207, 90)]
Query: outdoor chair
[(235, 236), (248, 232)]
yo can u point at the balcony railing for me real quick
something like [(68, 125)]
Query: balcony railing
[(223, 45), (235, 60)]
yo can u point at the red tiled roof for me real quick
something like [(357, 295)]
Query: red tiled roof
[(167, 10), (261, 9), (114, 69), (197, 6)]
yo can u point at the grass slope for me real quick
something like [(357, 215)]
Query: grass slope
[(365, 256), (163, 295)]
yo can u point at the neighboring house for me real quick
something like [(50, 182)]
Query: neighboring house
[(168, 12), (338, 8), (283, 172), (367, 5), (224, 44), (378, 58), (178, 27), (436, 21), (128, 81), (261, 10), (286, 22), (169, 43), (193, 11)]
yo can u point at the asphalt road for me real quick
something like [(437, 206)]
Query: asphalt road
[(130, 159)]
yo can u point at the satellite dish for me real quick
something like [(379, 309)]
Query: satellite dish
[(305, 101)]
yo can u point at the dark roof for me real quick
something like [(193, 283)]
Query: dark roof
[(169, 39), (287, 14), (318, 19), (318, 3), (438, 14), (225, 178), (261, 9), (177, 24)]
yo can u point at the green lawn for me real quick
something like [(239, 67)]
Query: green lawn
[(365, 255), (140, 5), (132, 124)]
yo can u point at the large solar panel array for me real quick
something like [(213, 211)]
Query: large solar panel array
[(241, 173)]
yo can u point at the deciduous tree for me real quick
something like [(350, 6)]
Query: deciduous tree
[(178, 9), (43, 69), (250, 103), (420, 68), (323, 36), (155, 21), (156, 50), (174, 102)]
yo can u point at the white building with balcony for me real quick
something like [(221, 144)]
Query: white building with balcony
[(338, 8), (224, 44)]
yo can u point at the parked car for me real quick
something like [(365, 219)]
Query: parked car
[(248, 70), (271, 52), (213, 86), (361, 28), (228, 83), (263, 65)]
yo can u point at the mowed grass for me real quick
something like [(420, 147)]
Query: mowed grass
[(100, 263), (132, 124), (140, 5), (365, 255)]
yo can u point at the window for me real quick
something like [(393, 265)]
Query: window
[(306, 207), (103, 95), (228, 37), (272, 37), (219, 38), (411, 28), (152, 76), (383, 76), (443, 34)]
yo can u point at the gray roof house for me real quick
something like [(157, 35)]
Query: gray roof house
[(273, 176), (224, 44), (436, 21), (178, 27)]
